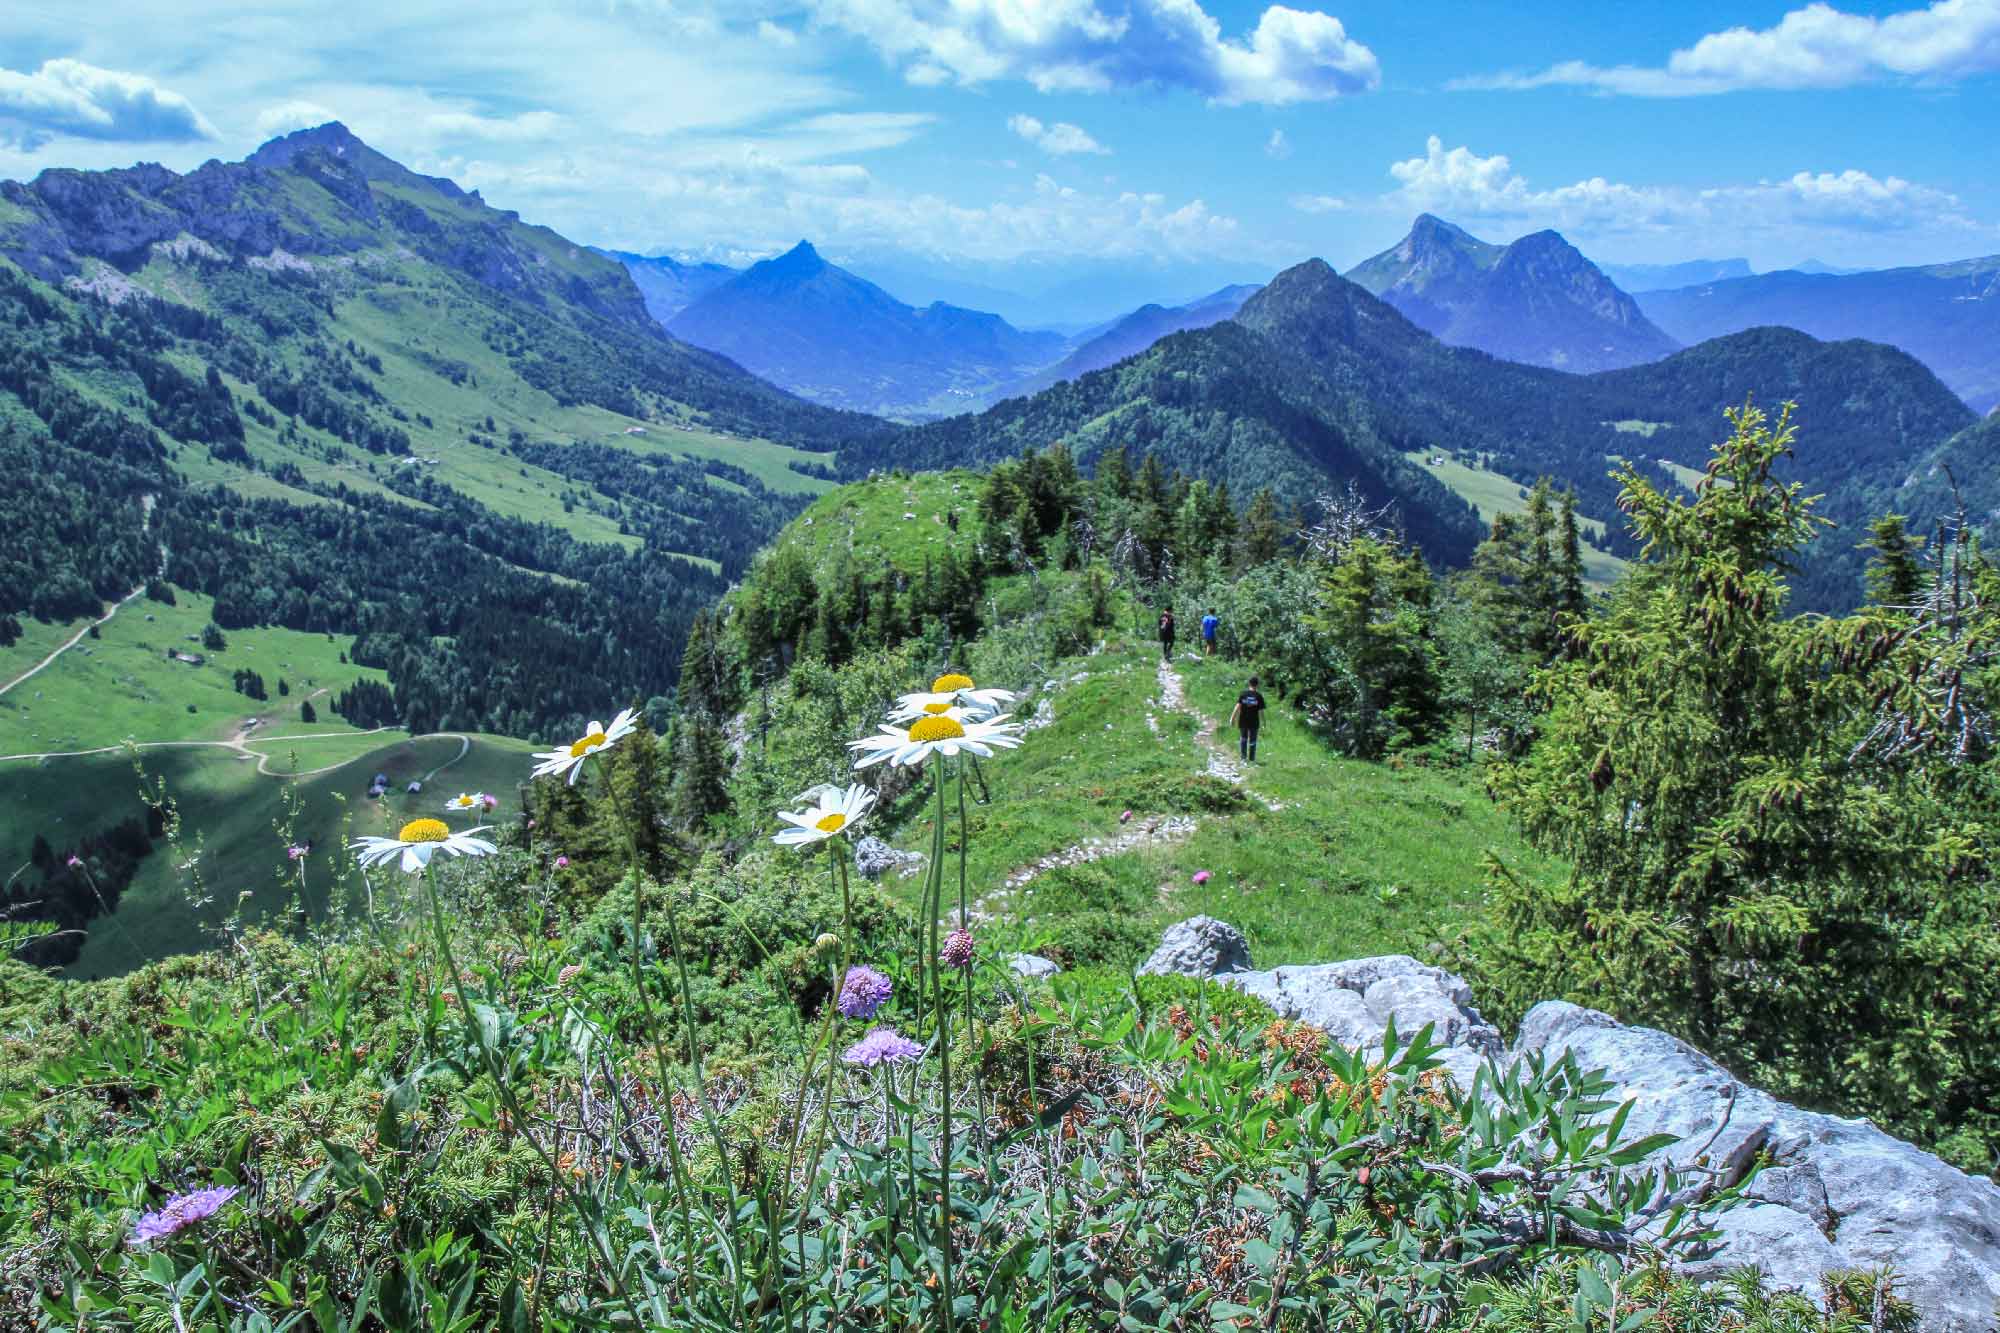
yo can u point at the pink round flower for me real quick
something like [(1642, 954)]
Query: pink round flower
[(1125, 818), (1201, 877), (75, 861), (490, 801), (296, 852), (562, 863), (957, 950)]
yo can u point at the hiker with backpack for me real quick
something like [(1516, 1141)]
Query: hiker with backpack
[(1167, 635)]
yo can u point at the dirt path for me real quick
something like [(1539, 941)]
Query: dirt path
[(146, 503), (72, 641), (1221, 763), (241, 749)]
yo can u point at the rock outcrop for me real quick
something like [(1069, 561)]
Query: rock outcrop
[(1200, 946), (1837, 1194)]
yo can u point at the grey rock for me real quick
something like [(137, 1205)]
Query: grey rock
[(1200, 946), (1354, 1002), (1841, 1194), (875, 858), (1033, 965)]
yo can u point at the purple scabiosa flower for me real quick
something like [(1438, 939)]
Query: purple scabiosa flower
[(181, 1212), (863, 992), (75, 861), (562, 863), (296, 851), (882, 1046), (1201, 877), (957, 951)]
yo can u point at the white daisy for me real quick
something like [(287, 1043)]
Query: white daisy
[(463, 802), (957, 687), (569, 759), (936, 734), (910, 707), (838, 810), (417, 842)]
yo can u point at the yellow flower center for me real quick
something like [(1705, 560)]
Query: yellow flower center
[(424, 830), (936, 708), (462, 802), (936, 729), (586, 745), (950, 681), (831, 823)]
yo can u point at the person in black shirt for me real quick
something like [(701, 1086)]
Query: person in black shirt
[(1248, 713), (1166, 635)]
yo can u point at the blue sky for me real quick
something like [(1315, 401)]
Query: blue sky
[(1020, 143)]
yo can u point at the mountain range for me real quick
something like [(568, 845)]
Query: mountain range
[(1537, 301), (1659, 277), (1316, 381), (1134, 333), (838, 339), (333, 395), (1945, 315), (669, 285)]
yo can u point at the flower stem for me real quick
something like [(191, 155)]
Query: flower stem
[(944, 1056)]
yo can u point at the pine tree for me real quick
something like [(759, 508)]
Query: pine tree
[(1263, 531), (307, 713), (1751, 869), (1895, 572), (701, 785)]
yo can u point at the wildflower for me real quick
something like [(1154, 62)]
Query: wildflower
[(937, 734), (417, 842), (826, 942), (181, 1212), (462, 802), (562, 863), (951, 690), (882, 1046), (957, 950), (569, 759), (1125, 817), (490, 801), (569, 974), (297, 851), (75, 861), (863, 992), (1201, 877), (837, 811)]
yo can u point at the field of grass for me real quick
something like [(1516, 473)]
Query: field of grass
[(1358, 859), (1492, 495), (121, 685), (236, 824), (869, 519)]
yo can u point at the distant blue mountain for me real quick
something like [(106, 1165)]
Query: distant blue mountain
[(669, 285), (1134, 333), (1661, 277), (1945, 315), (835, 338)]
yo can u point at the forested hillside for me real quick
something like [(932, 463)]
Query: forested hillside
[(1316, 380), (338, 396)]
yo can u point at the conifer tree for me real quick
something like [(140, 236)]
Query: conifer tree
[(1895, 571), (1753, 867)]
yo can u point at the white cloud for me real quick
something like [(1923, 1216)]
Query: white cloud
[(288, 116), (1318, 203), (528, 127), (776, 34), (1075, 46), (1814, 47), (1059, 139), (1278, 146), (1465, 186), (67, 98)]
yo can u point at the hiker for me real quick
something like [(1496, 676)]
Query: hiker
[(1167, 635), (1245, 717), (951, 519), (1209, 624)]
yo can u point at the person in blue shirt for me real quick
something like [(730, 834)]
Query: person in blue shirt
[(1209, 624)]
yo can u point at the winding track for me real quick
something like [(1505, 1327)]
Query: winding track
[(242, 750)]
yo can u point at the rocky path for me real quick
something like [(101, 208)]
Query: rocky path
[(1221, 763)]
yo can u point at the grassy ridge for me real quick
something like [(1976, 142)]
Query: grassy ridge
[(236, 824)]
